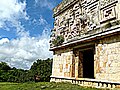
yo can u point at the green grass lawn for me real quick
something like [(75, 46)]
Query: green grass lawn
[(42, 86)]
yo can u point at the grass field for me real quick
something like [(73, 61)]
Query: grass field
[(42, 86)]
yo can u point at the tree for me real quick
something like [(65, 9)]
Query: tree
[(42, 69), (4, 66)]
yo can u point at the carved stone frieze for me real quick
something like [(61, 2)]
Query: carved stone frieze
[(76, 6), (108, 13), (106, 2), (77, 13), (80, 17)]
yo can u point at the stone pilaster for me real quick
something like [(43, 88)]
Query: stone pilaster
[(76, 66)]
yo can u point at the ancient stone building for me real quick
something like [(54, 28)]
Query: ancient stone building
[(86, 42)]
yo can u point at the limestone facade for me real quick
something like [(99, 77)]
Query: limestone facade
[(107, 59), (86, 40)]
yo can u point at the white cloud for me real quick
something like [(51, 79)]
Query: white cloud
[(44, 3), (11, 11), (42, 21), (4, 40), (22, 52)]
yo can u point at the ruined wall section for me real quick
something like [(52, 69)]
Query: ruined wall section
[(107, 59)]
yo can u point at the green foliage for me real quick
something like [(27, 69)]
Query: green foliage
[(4, 66), (17, 75), (108, 25), (41, 68), (43, 86), (58, 41)]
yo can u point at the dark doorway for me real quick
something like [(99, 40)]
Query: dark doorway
[(88, 64)]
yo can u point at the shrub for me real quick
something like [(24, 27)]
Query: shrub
[(58, 41)]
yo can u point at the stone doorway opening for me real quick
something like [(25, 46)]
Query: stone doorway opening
[(86, 64)]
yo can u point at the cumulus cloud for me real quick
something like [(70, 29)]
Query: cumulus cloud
[(22, 52), (44, 3), (4, 40), (12, 11)]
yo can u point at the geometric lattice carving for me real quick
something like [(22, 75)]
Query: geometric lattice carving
[(74, 18), (108, 14)]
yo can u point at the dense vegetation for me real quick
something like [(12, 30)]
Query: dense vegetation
[(43, 86), (39, 71)]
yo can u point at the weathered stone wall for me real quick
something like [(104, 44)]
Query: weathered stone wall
[(81, 23), (118, 9), (107, 59), (62, 64)]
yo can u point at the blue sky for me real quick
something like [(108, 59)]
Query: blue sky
[(24, 31)]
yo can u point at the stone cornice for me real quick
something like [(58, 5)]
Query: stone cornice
[(62, 7)]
